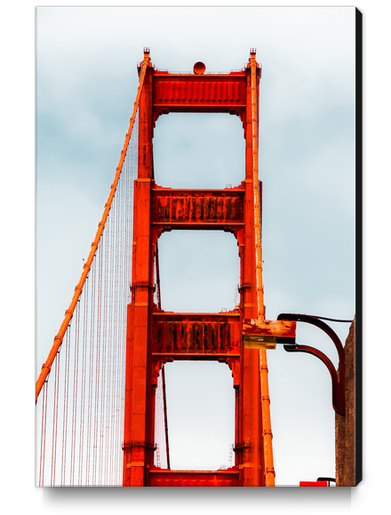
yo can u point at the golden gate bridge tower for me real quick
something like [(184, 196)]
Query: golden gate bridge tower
[(98, 414)]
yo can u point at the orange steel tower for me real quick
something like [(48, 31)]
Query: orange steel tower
[(155, 337)]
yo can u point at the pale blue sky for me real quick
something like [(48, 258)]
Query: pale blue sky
[(86, 84)]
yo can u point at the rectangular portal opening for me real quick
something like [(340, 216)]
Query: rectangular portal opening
[(199, 150), (199, 271), (200, 415)]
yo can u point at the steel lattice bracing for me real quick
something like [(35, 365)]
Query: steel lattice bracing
[(155, 337)]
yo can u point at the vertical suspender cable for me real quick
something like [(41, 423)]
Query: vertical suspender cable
[(55, 421), (130, 167), (124, 271), (105, 405), (102, 398), (90, 373), (113, 341), (265, 401), (163, 373), (115, 338), (165, 418), (120, 323), (75, 395), (69, 313), (97, 365), (43, 437), (84, 342), (114, 445), (65, 410)]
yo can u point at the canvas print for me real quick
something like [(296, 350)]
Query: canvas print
[(198, 187)]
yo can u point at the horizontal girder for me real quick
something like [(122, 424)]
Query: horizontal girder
[(161, 477), (196, 335), (214, 93), (198, 209)]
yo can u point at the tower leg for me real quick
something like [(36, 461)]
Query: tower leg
[(139, 423)]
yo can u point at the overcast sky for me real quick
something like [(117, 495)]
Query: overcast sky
[(86, 63)]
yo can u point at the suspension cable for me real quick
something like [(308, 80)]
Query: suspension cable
[(69, 313)]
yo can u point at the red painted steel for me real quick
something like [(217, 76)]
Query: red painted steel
[(196, 336), (155, 337), (203, 478), (198, 209), (213, 93), (265, 333), (314, 483), (139, 403)]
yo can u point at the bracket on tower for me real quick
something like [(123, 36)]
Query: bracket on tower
[(267, 333)]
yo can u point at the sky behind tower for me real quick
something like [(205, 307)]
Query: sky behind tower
[(86, 65)]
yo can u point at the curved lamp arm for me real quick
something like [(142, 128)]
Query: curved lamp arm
[(337, 378)]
